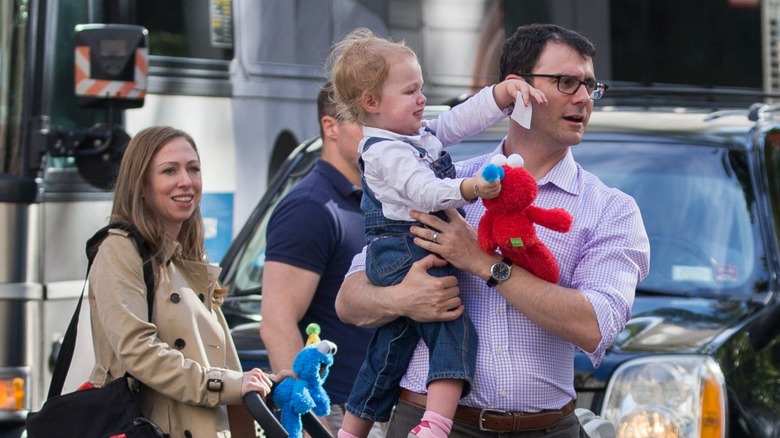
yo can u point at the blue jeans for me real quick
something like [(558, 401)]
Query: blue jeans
[(452, 349), (391, 251), (452, 345)]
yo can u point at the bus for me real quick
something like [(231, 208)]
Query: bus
[(242, 76)]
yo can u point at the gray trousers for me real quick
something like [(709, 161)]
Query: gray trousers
[(336, 417)]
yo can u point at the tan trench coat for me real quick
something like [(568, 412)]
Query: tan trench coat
[(187, 344)]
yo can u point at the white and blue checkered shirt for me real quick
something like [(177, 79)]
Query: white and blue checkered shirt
[(521, 367)]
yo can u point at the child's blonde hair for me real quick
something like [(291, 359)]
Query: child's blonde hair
[(359, 65)]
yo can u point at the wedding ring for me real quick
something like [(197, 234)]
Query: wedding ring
[(435, 237)]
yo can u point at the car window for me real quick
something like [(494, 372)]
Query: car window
[(249, 273), (772, 160)]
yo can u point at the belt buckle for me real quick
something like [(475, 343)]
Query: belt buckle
[(482, 419)]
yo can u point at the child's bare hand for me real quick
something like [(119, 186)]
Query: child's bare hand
[(505, 92), (488, 189)]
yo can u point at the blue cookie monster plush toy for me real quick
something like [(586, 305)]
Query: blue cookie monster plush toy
[(297, 396)]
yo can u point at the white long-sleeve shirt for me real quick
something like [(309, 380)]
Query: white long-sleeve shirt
[(402, 180)]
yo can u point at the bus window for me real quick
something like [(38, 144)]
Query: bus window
[(282, 149), (301, 32), (187, 29)]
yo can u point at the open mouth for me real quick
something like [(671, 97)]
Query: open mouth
[(575, 118), (182, 198)]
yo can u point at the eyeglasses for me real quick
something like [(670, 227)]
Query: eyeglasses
[(571, 84)]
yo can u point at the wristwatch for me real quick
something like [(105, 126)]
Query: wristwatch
[(499, 272)]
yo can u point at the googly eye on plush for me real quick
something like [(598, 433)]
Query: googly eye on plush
[(515, 160), (498, 160), (327, 347)]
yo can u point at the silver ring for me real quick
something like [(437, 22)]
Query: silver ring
[(435, 237)]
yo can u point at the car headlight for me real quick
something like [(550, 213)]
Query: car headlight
[(667, 396)]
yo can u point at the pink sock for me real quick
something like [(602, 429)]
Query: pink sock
[(344, 434), (433, 425)]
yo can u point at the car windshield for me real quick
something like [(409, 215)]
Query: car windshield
[(697, 209), (695, 202)]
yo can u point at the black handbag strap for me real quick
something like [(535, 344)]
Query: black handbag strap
[(65, 355)]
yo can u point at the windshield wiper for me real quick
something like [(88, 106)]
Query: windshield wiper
[(706, 294)]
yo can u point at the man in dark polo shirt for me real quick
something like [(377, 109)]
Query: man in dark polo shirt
[(311, 239)]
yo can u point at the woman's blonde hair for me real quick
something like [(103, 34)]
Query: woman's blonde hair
[(130, 206), (359, 65)]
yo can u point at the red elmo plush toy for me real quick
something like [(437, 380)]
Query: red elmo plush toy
[(508, 223)]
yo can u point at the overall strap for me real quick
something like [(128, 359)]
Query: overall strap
[(370, 141)]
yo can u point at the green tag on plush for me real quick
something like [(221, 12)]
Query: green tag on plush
[(516, 241)]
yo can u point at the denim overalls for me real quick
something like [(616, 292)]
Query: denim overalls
[(452, 345)]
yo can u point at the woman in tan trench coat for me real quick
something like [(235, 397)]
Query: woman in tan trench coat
[(185, 358)]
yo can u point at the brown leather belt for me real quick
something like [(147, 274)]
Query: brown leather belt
[(495, 420)]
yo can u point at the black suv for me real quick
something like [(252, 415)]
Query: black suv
[(701, 355)]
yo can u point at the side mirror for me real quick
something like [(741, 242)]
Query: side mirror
[(111, 65)]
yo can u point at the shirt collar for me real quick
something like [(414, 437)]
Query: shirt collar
[(369, 131), (563, 175), (339, 181)]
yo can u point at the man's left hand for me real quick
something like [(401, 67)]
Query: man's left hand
[(455, 241)]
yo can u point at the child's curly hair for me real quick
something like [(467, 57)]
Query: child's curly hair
[(359, 65)]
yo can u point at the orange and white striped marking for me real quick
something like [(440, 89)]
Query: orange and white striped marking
[(86, 86)]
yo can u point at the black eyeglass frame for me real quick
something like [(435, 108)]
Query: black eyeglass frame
[(597, 93)]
